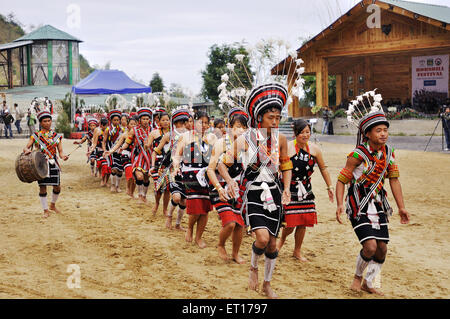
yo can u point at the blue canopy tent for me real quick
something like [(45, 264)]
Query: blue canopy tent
[(107, 82)]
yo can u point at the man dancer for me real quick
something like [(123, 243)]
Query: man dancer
[(48, 142), (264, 155), (366, 203)]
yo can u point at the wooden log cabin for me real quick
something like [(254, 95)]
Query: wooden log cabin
[(364, 58)]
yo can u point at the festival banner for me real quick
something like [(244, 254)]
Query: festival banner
[(430, 73)]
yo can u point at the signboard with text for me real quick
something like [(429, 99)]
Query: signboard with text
[(430, 73)]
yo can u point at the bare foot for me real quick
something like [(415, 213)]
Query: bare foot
[(237, 259), (154, 210), (267, 289), (200, 243), (142, 199), (113, 189), (300, 258), (46, 213), (371, 290), (253, 279), (179, 228), (102, 184), (53, 208), (118, 190), (169, 222), (222, 253), (188, 236), (356, 284)]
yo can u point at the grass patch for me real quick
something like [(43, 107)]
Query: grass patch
[(397, 134)]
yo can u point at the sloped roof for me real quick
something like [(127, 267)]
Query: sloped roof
[(47, 32), (13, 45), (433, 11), (437, 13)]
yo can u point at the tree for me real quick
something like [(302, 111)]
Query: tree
[(310, 89), (219, 56), (157, 83)]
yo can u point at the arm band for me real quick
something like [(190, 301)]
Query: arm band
[(157, 151), (128, 140), (393, 172), (228, 159), (345, 176), (286, 166)]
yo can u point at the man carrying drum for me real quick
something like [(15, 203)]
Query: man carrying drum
[(48, 142)]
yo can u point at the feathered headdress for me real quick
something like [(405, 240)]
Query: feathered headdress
[(270, 90), (365, 112)]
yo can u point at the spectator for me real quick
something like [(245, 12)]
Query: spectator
[(219, 128), (79, 123), (19, 117), (48, 105), (326, 119), (31, 121), (330, 122), (1, 122), (446, 126), (7, 119)]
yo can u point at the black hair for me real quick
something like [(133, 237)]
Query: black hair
[(183, 120), (299, 126), (135, 118), (269, 108), (217, 122), (125, 116), (163, 114), (200, 115), (104, 121), (241, 119), (370, 127)]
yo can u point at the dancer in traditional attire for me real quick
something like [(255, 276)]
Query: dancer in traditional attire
[(140, 156), (366, 203), (301, 211), (156, 116), (126, 155), (264, 154), (194, 150), (166, 149), (96, 150), (152, 142), (49, 143), (114, 160), (232, 221), (92, 125)]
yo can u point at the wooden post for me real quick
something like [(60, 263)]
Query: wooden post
[(338, 89), (9, 64), (322, 83), (368, 74)]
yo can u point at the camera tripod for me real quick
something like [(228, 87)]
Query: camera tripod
[(437, 124)]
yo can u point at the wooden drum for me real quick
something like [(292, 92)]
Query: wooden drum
[(31, 167)]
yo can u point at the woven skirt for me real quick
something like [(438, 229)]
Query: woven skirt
[(53, 178)]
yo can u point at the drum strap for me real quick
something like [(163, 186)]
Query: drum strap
[(47, 145)]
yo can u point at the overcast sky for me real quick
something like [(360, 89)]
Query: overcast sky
[(172, 37)]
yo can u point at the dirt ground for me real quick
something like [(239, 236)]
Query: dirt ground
[(124, 252)]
